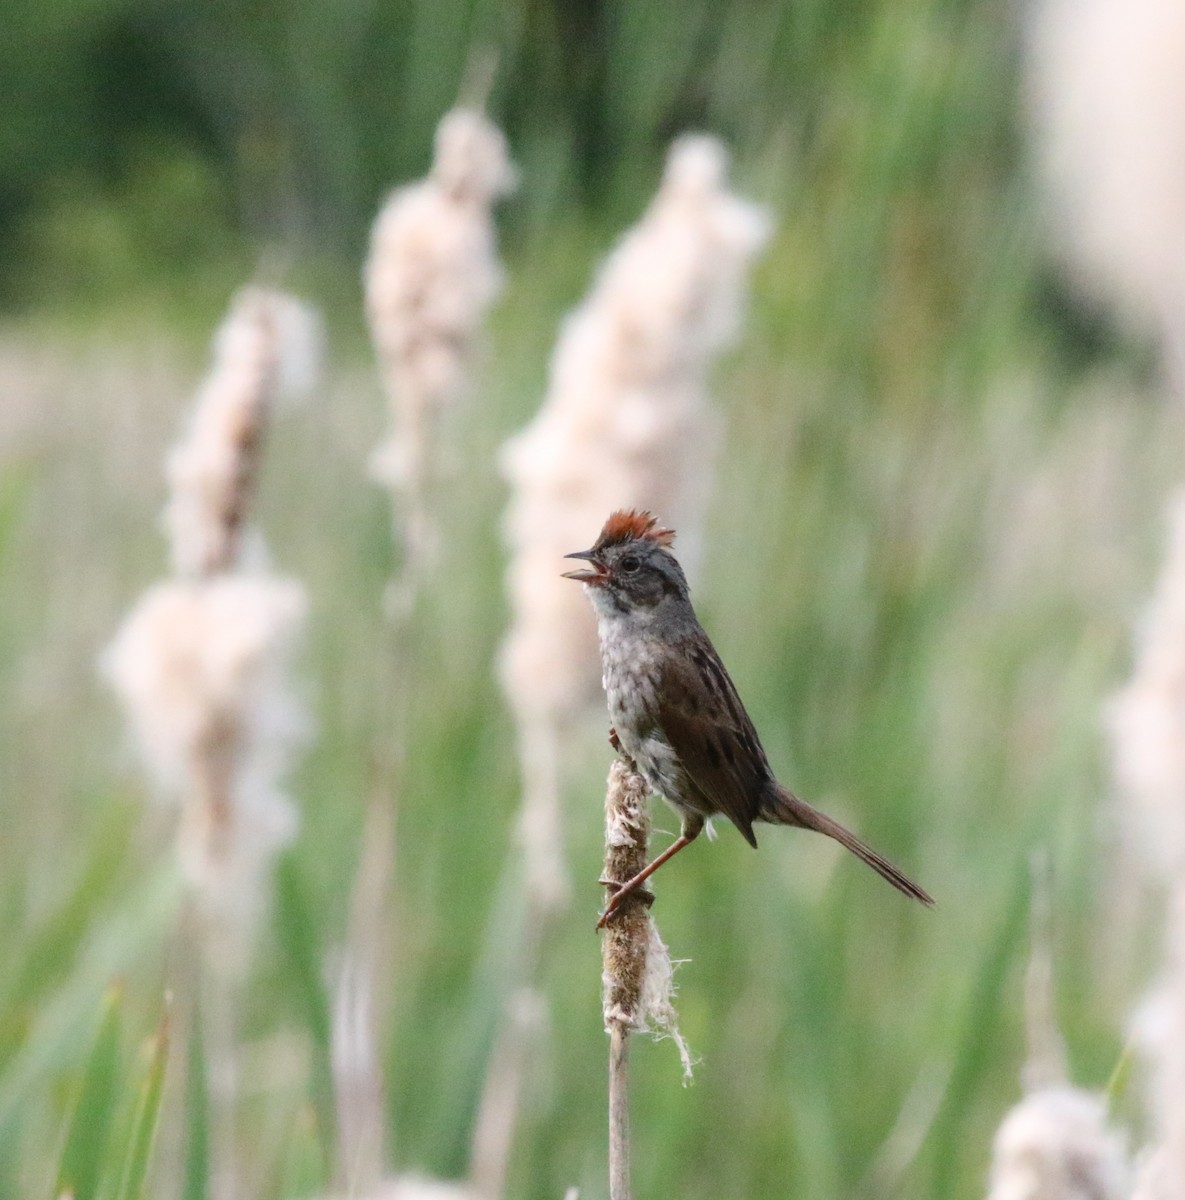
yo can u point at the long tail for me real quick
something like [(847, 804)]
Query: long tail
[(782, 807)]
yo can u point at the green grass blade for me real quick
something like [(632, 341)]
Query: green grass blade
[(46, 954), (979, 1037), (144, 1121), (14, 490), (305, 1171), (299, 941), (80, 1167), (197, 1116), (59, 1031)]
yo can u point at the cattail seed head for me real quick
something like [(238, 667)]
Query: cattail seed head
[(267, 349), (1108, 92), (626, 422), (432, 274), (203, 669), (1056, 1145), (637, 975)]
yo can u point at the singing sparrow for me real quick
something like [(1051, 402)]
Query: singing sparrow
[(673, 706)]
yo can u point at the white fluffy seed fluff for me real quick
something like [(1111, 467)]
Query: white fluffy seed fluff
[(421, 1187), (1056, 1145), (1147, 718), (626, 420), (432, 274), (268, 348), (1108, 86), (203, 669), (658, 998), (202, 663), (1155, 1179)]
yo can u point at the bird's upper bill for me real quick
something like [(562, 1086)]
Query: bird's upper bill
[(598, 575), (625, 525)]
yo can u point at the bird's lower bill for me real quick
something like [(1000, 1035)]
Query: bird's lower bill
[(595, 578)]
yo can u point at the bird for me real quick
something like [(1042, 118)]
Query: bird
[(674, 709)]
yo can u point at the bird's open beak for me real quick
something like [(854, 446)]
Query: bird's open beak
[(599, 575)]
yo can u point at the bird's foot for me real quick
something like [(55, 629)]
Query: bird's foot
[(621, 892)]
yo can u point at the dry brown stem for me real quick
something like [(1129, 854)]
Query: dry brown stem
[(623, 955)]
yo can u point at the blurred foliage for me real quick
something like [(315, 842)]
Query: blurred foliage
[(289, 121), (931, 529)]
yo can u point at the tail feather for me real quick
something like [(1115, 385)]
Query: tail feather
[(784, 808)]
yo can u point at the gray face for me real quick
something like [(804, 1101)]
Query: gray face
[(633, 576)]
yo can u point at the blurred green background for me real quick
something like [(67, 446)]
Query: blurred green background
[(937, 512)]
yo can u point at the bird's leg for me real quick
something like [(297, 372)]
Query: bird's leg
[(631, 885)]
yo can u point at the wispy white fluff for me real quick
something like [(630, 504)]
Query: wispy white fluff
[(203, 669), (432, 274), (1147, 717), (268, 347), (1109, 105), (1056, 1145), (1155, 1179), (626, 421), (658, 998), (421, 1187)]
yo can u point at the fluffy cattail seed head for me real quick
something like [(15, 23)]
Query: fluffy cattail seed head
[(626, 421), (267, 349), (1056, 1145), (432, 274), (203, 671), (637, 974)]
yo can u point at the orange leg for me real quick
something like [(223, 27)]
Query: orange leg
[(641, 877)]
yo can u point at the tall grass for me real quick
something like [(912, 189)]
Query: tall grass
[(935, 668), (936, 514)]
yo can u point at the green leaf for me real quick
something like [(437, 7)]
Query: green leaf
[(144, 1122), (80, 1167)]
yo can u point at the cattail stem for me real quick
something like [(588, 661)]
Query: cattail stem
[(624, 951), (619, 1112)]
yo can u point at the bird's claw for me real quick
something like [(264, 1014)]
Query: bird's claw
[(614, 902)]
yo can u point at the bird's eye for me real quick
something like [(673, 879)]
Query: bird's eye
[(630, 564)]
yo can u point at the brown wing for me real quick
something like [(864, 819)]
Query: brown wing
[(706, 724)]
